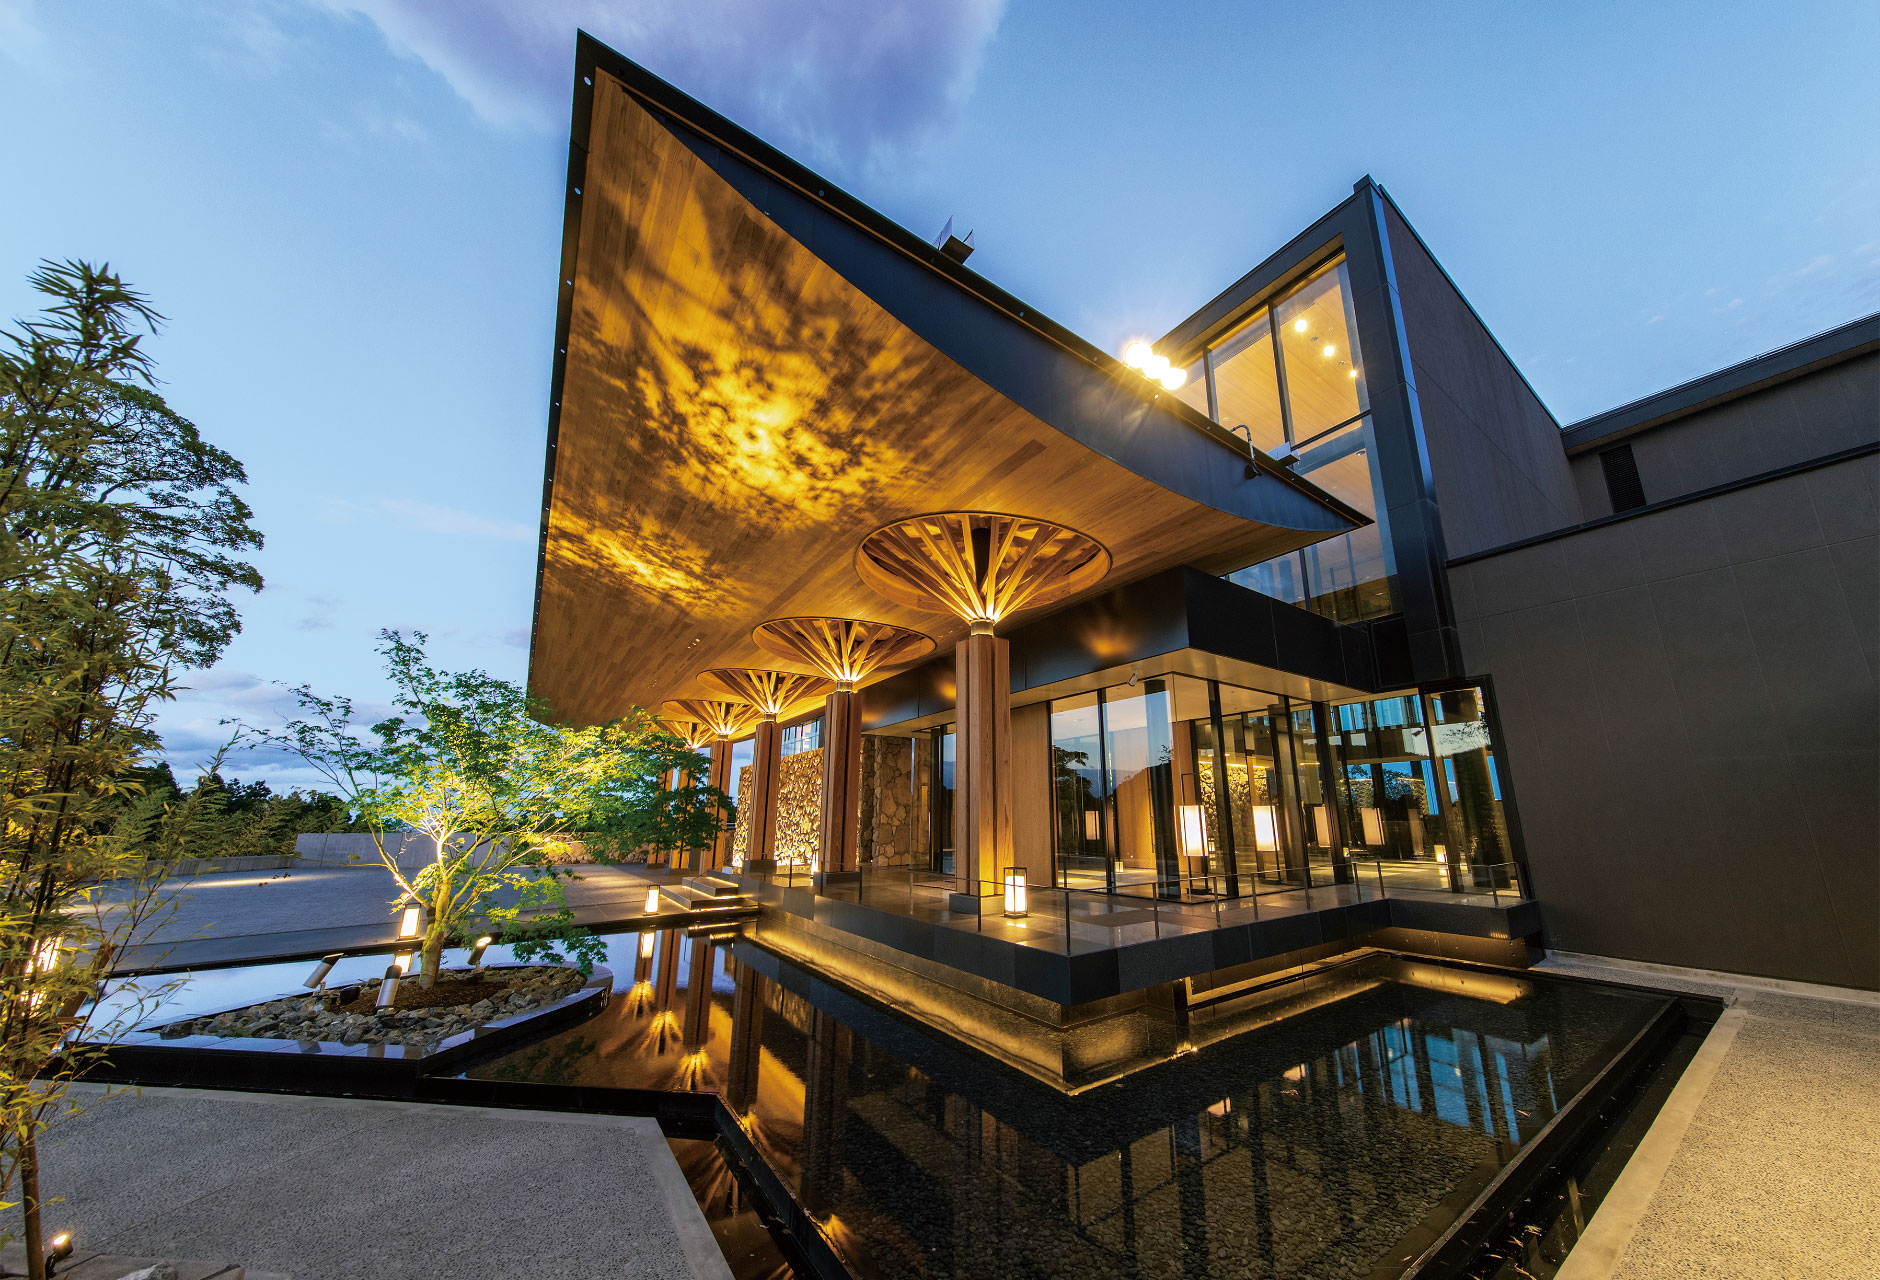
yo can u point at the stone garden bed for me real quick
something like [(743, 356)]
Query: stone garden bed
[(460, 1001), (338, 1039)]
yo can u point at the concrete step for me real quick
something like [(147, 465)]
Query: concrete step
[(711, 886), (696, 903)]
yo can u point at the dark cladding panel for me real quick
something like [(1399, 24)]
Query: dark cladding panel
[(1689, 708), (1500, 471)]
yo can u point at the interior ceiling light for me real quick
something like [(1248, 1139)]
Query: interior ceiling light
[(1330, 351), (1299, 325), (1141, 357)]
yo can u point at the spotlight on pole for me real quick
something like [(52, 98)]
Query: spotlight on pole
[(58, 1249), (317, 978), (388, 989), (476, 952)]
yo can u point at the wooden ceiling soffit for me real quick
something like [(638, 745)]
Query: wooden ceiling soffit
[(735, 417)]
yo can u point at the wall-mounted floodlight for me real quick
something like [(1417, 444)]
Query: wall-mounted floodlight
[(476, 952), (411, 924), (317, 978), (388, 989), (652, 901), (1141, 357)]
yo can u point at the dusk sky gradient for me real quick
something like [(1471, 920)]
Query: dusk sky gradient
[(350, 211)]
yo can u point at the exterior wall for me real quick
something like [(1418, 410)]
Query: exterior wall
[(1819, 413), (1689, 710), (1495, 454)]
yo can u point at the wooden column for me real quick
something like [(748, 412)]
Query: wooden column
[(720, 777), (747, 1037), (982, 768), (759, 849), (698, 995), (841, 781)]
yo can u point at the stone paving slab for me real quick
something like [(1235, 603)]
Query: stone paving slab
[(223, 919), (1776, 1173), (322, 1187)]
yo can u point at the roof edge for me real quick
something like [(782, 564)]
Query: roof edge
[(1771, 368)]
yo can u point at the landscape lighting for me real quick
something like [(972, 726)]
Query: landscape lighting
[(58, 1249), (652, 900), (388, 989), (476, 952), (646, 944), (402, 962), (317, 978)]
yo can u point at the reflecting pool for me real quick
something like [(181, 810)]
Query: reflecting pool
[(1327, 1128)]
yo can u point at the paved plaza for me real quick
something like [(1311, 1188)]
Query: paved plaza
[(1762, 1165), (321, 1188)]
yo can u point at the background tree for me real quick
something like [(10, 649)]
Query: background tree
[(471, 762), (121, 537)]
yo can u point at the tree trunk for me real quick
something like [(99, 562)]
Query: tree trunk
[(30, 1224), (432, 956)]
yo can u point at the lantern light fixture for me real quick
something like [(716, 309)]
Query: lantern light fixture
[(646, 945), (1015, 892), (652, 900)]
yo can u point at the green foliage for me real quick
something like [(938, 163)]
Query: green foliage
[(471, 761), (226, 819), (121, 537)]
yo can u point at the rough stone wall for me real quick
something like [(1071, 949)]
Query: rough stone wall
[(888, 810), (799, 808)]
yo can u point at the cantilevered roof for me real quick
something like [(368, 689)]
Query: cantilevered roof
[(753, 371)]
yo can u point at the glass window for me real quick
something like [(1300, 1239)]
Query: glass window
[(944, 758), (1475, 826), (1317, 340), (1307, 389), (1078, 788), (1194, 391), (743, 753), (1246, 384), (1139, 777), (801, 737)]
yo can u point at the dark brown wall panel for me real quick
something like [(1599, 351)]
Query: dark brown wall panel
[(1690, 711)]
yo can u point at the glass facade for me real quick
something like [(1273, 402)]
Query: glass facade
[(1291, 378), (1190, 788), (1418, 787)]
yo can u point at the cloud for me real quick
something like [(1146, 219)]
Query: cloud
[(433, 517), (855, 81)]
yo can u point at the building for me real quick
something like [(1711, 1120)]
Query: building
[(1315, 596)]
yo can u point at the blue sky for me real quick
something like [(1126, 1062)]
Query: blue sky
[(350, 212)]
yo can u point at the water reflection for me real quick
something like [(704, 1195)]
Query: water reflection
[(1357, 1113)]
